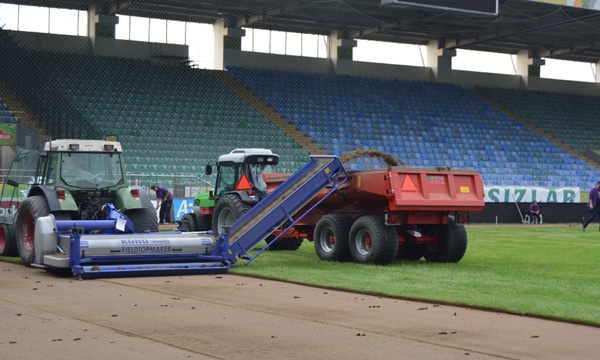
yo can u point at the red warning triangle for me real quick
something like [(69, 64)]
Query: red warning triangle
[(244, 183), (408, 184)]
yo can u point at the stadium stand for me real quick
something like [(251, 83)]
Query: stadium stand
[(571, 118), (53, 113), (423, 124), (5, 115), (169, 119)]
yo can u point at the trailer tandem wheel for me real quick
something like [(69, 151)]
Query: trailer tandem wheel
[(372, 242), (451, 245), (8, 244), (331, 237)]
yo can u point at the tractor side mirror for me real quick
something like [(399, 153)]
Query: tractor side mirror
[(208, 170)]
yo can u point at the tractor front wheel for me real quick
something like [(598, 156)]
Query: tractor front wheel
[(195, 221), (189, 222), (228, 210), (30, 210)]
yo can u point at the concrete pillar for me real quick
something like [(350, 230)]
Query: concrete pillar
[(598, 72), (440, 61), (101, 25), (227, 44), (529, 69), (220, 31), (340, 53)]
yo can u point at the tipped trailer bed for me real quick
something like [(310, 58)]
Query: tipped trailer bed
[(76, 245), (379, 215)]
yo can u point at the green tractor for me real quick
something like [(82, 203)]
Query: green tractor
[(239, 186), (72, 180)]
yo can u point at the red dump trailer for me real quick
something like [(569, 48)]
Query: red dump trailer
[(379, 215)]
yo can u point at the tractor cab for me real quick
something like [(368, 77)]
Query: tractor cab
[(241, 171), (71, 179), (67, 173)]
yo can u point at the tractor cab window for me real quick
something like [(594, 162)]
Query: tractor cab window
[(91, 170), (23, 169), (256, 171), (51, 171), (229, 173)]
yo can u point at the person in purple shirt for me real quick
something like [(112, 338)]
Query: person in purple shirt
[(593, 205), (534, 212), (164, 198)]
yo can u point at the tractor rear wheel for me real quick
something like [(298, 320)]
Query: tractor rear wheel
[(331, 237), (228, 209), (30, 210), (451, 243), (372, 242), (8, 242), (143, 219)]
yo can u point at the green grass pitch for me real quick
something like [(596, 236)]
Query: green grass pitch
[(547, 271)]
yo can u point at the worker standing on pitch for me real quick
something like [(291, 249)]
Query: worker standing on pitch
[(164, 198), (593, 205)]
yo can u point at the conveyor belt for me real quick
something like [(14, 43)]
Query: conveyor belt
[(281, 204), (236, 232)]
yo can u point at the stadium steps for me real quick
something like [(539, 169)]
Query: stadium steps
[(592, 154), (15, 105), (266, 111), (535, 128)]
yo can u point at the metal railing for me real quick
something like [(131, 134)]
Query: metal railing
[(182, 185)]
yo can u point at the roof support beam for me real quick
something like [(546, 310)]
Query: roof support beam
[(364, 32), (356, 34), (458, 43), (117, 6), (265, 14), (548, 53)]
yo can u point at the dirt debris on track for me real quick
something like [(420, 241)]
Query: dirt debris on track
[(232, 317)]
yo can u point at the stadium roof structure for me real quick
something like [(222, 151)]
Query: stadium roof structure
[(545, 30)]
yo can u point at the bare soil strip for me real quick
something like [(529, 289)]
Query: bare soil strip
[(233, 317)]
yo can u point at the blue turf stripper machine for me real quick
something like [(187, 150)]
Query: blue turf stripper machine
[(109, 248)]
